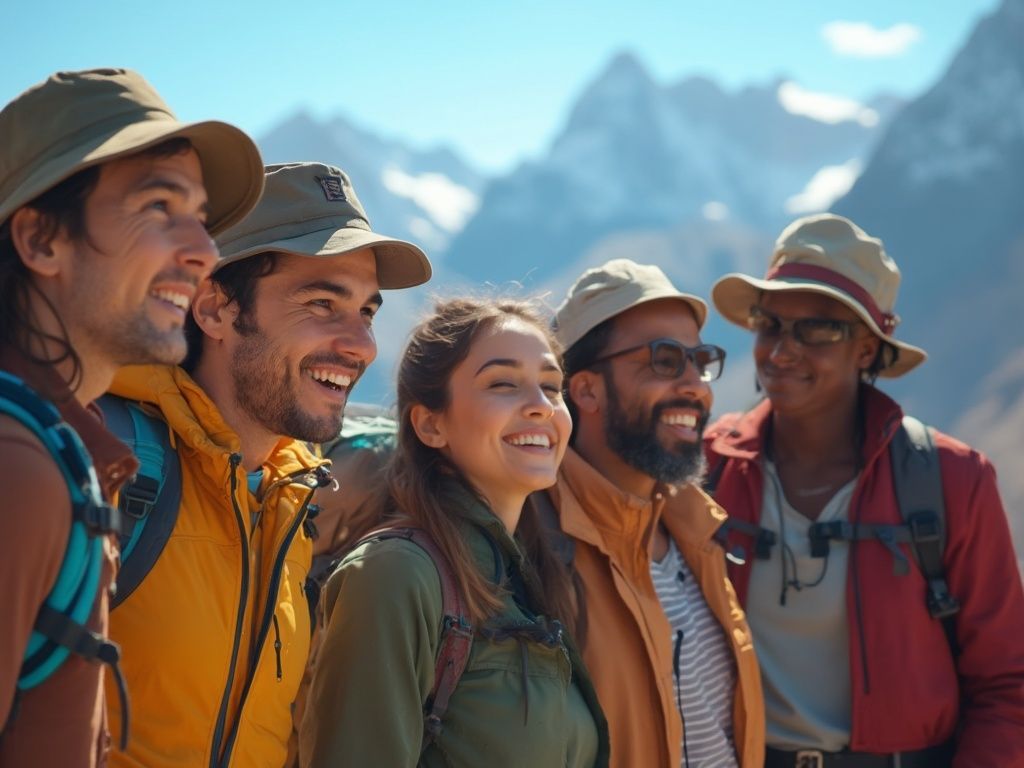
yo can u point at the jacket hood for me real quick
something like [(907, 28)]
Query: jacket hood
[(195, 419)]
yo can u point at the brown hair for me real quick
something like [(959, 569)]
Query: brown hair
[(417, 472)]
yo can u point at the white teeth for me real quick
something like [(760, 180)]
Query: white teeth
[(683, 420), (541, 440), (337, 379), (179, 300)]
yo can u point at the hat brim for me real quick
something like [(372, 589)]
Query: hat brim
[(231, 164), (399, 264), (734, 294)]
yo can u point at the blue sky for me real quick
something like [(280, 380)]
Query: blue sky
[(492, 79)]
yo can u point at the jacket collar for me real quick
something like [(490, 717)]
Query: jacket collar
[(197, 421), (596, 511), (112, 459), (741, 435)]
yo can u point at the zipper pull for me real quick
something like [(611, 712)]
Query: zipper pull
[(277, 646)]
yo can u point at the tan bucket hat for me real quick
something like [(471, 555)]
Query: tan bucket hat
[(311, 209), (609, 290), (74, 120), (830, 255)]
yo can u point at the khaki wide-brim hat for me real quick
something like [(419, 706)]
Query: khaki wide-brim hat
[(311, 209), (75, 120), (609, 290), (831, 256)]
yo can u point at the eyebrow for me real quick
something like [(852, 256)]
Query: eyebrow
[(167, 185), (339, 290), (507, 362)]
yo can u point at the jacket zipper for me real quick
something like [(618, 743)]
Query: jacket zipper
[(218, 734), (676, 653), (269, 617), (277, 646)]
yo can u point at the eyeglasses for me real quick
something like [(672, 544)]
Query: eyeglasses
[(809, 331), (669, 358)]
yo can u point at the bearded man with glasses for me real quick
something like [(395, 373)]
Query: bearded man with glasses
[(663, 635), (879, 646)]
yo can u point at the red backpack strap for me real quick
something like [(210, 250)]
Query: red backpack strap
[(456, 631)]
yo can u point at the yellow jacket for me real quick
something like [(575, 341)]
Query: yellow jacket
[(215, 639), (628, 646)]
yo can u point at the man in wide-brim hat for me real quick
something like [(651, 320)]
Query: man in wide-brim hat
[(107, 205), (884, 598)]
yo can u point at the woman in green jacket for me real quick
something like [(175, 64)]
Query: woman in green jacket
[(482, 424)]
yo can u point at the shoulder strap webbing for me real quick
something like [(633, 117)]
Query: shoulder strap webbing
[(562, 545), (917, 479), (456, 631), (150, 501), (60, 625)]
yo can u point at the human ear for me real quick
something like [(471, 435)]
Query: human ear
[(429, 426), (586, 390), (212, 311), (42, 254), (867, 351)]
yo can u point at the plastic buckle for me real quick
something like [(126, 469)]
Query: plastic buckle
[(101, 518), (809, 758), (924, 527), (457, 625), (139, 496), (820, 533), (941, 604), (763, 544)]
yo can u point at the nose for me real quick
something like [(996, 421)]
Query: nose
[(538, 404), (785, 348), (198, 252), (354, 340), (690, 386)]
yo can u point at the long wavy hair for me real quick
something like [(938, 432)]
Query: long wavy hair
[(417, 473)]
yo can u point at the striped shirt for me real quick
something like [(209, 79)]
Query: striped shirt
[(704, 669)]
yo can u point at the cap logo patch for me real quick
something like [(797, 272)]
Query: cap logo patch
[(333, 188)]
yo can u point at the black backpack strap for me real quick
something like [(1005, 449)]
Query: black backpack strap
[(456, 630), (152, 499), (917, 478), (764, 539), (562, 545)]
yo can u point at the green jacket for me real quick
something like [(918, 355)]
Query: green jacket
[(382, 616)]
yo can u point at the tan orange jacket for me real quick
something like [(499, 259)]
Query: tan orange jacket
[(628, 647)]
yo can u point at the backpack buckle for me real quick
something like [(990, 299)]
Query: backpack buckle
[(763, 544), (925, 527), (101, 519), (941, 604), (139, 496)]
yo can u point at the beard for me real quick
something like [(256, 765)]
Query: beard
[(265, 388), (633, 437)]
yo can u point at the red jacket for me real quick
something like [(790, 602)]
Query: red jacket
[(908, 693)]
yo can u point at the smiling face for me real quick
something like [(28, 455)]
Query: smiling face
[(811, 380), (294, 358), (506, 427), (130, 279), (650, 423)]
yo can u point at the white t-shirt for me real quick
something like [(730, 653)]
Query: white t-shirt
[(803, 646)]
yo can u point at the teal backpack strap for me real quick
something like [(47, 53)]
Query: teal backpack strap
[(60, 628), (918, 483), (150, 501)]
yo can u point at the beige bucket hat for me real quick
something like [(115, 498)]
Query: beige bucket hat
[(830, 255), (609, 290), (311, 209), (74, 120)]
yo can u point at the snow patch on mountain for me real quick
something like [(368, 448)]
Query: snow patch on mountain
[(825, 187), (449, 204), (824, 107)]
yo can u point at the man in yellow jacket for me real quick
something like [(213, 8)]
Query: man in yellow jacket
[(215, 636), (663, 635)]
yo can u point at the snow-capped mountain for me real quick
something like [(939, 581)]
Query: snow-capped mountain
[(638, 155), (945, 191), (421, 195)]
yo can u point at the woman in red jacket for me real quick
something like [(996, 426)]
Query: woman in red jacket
[(858, 667)]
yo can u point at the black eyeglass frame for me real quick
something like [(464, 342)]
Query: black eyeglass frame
[(793, 327), (689, 357)]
